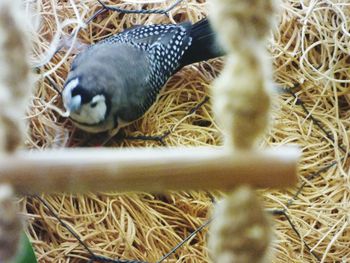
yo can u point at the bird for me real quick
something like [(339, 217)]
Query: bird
[(115, 81)]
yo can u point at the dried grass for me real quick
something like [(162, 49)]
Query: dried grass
[(310, 48)]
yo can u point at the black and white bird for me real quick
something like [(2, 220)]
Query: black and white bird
[(115, 81)]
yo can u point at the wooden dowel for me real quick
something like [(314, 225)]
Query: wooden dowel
[(146, 169)]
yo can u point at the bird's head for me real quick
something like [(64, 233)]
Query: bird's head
[(97, 87), (92, 88), (85, 105)]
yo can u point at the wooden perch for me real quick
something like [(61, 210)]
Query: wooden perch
[(146, 169)]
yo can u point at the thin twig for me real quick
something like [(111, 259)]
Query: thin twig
[(309, 177), (195, 108), (314, 119), (93, 256), (185, 240), (54, 85), (142, 11), (66, 226), (284, 213)]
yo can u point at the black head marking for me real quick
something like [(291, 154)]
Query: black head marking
[(86, 95)]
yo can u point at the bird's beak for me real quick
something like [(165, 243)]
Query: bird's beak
[(74, 104)]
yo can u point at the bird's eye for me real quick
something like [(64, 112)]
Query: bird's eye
[(93, 105)]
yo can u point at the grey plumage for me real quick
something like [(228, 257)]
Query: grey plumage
[(124, 73)]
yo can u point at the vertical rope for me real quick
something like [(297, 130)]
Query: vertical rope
[(241, 231), (242, 92), (15, 85), (10, 224)]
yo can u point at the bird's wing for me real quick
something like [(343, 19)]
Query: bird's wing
[(166, 53), (145, 35), (164, 50), (163, 56), (154, 66)]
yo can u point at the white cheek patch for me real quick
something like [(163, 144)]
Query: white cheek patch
[(98, 98), (92, 115)]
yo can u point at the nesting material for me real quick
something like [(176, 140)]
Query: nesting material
[(309, 47)]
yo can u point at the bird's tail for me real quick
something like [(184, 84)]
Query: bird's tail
[(204, 45)]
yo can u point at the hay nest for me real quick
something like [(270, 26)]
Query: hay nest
[(310, 50)]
